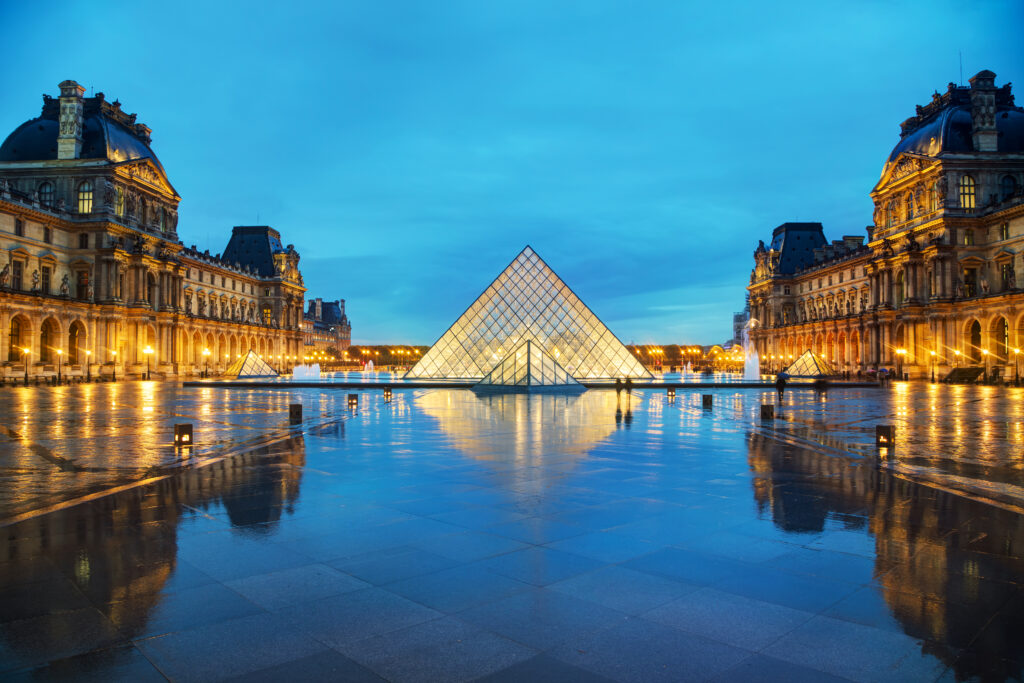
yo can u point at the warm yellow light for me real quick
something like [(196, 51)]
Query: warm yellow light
[(956, 353), (148, 350), (24, 350), (932, 352), (1016, 350), (206, 352), (88, 352), (60, 352), (984, 353)]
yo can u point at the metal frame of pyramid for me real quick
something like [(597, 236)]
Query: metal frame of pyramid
[(527, 369), (250, 366), (809, 364), (527, 301)]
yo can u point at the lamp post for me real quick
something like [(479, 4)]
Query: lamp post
[(206, 358), (1016, 366), (956, 356), (113, 367), (933, 365), (900, 353), (88, 369), (60, 361), (24, 354), (984, 353), (149, 352)]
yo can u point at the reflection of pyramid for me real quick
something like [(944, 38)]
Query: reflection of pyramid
[(528, 368), (810, 364), (528, 302), (250, 365)]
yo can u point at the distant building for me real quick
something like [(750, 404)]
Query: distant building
[(326, 326), (739, 322), (935, 284), (92, 273)]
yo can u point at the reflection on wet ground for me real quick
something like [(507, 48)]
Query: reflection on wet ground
[(445, 536)]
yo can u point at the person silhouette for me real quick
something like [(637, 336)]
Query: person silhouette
[(618, 388), (629, 386)]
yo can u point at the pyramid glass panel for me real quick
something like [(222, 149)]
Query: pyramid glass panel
[(250, 366), (527, 368), (810, 364), (528, 302)]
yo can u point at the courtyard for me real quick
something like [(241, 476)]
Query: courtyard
[(443, 535)]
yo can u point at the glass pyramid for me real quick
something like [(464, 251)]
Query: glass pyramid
[(527, 368), (528, 302), (809, 364), (250, 365)]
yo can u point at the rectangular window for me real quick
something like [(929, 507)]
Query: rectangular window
[(1006, 270), (232, 285), (45, 283), (968, 238), (83, 241), (1004, 231), (266, 292), (221, 280), (829, 280), (785, 290), (19, 227), (17, 274), (82, 284), (970, 281), (840, 277), (47, 235)]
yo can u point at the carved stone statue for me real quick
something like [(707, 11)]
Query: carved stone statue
[(65, 286), (959, 288), (202, 306), (188, 304), (108, 193), (35, 280), (89, 293), (983, 283), (1011, 278), (912, 244), (5, 187), (140, 246), (5, 276)]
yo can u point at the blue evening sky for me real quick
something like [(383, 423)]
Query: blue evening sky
[(409, 150)]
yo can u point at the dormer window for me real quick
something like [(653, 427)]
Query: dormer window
[(85, 197), (46, 193), (966, 192)]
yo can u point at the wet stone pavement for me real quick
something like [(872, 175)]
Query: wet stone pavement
[(446, 537)]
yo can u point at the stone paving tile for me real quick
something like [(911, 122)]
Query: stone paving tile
[(326, 667), (188, 609), (118, 663), (32, 642), (287, 587), (627, 591), (544, 669), (228, 648), (446, 649), (539, 566), (643, 651), (394, 564), (456, 589)]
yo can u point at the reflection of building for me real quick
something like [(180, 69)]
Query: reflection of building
[(938, 272), (120, 550), (325, 326), (92, 265), (939, 580)]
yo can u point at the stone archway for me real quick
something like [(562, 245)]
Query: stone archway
[(49, 340), (19, 337), (77, 343), (972, 341)]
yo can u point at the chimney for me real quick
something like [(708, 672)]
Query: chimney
[(319, 315), (69, 138), (983, 112)]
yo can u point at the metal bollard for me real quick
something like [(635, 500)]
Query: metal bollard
[(706, 400), (295, 413), (767, 411)]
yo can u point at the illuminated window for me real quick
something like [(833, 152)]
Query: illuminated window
[(119, 202), (890, 214), (968, 238), (1007, 187), (966, 192), (1004, 231), (45, 279), (85, 197), (908, 206), (14, 350), (1006, 270), (933, 197), (46, 193)]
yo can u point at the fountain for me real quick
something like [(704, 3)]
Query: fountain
[(751, 364), (369, 366), (306, 372), (688, 369)]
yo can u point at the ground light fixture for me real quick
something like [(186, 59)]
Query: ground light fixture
[(24, 355), (885, 436), (183, 435), (767, 411), (387, 394), (295, 413), (353, 401)]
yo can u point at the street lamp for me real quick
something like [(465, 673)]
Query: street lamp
[(24, 354), (956, 356), (933, 365), (900, 353), (113, 367), (60, 361), (984, 352), (149, 352), (88, 369), (1016, 365), (206, 358)]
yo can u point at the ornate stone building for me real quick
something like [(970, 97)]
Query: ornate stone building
[(325, 326), (92, 273), (935, 285)]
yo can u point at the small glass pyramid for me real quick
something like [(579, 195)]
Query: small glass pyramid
[(249, 366), (810, 364), (528, 302), (528, 368)]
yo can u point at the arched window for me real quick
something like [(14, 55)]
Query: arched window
[(119, 202), (933, 197), (974, 343), (85, 197), (908, 206), (890, 214), (1007, 187), (74, 338), (14, 351), (46, 193), (47, 338), (966, 192)]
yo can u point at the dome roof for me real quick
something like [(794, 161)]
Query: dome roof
[(103, 137), (950, 131)]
